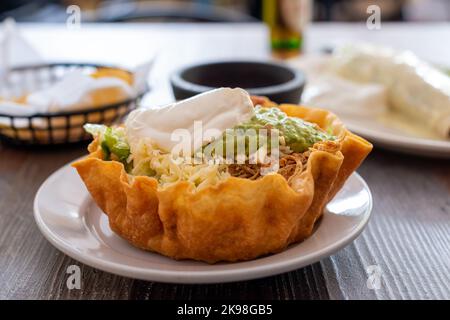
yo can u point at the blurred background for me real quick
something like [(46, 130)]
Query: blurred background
[(217, 10)]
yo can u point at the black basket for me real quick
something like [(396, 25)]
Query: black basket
[(56, 128)]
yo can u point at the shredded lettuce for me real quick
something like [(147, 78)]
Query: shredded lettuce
[(95, 129), (112, 141), (116, 144)]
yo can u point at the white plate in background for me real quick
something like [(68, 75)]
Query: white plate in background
[(396, 134)]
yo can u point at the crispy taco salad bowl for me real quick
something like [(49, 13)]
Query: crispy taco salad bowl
[(219, 211)]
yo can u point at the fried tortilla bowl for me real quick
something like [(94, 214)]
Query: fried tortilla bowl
[(235, 219)]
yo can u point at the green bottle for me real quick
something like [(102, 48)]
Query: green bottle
[(286, 20)]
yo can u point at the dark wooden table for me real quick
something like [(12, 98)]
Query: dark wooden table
[(407, 242)]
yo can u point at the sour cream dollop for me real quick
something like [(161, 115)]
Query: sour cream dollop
[(211, 113)]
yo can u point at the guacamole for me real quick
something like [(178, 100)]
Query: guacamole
[(298, 134)]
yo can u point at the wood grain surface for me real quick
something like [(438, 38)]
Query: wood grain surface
[(407, 240)]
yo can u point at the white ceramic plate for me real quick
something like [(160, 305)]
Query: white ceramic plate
[(72, 222), (390, 137)]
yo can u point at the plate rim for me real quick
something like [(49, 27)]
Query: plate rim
[(201, 276), (404, 144)]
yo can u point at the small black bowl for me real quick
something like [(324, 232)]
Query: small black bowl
[(276, 81)]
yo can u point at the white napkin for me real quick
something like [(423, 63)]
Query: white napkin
[(15, 50), (140, 79), (16, 109), (73, 92)]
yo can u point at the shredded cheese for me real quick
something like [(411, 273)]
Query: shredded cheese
[(149, 160)]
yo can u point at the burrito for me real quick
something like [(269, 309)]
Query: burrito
[(414, 88)]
